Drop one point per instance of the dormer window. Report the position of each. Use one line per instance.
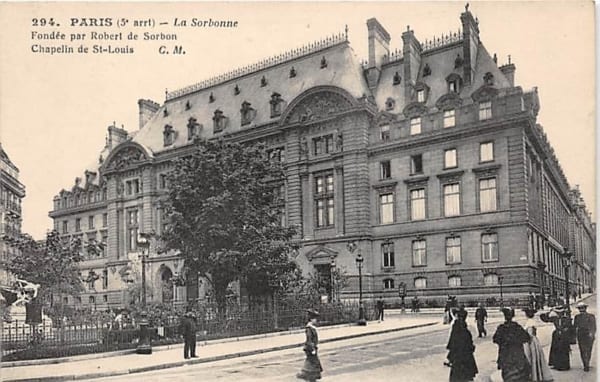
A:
(384, 132)
(276, 104)
(485, 110)
(426, 70)
(247, 113)
(454, 82)
(421, 95)
(397, 79)
(219, 121)
(168, 135)
(390, 104)
(193, 128)
(488, 79)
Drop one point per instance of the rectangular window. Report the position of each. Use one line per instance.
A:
(453, 250)
(162, 181)
(420, 283)
(324, 200)
(104, 220)
(132, 230)
(415, 126)
(105, 279)
(65, 226)
(133, 187)
(387, 251)
(485, 110)
(386, 208)
(451, 199)
(77, 225)
(419, 253)
(90, 222)
(489, 247)
(449, 118)
(421, 95)
(417, 204)
(416, 164)
(104, 298)
(450, 158)
(486, 152)
(323, 145)
(385, 169)
(384, 132)
(454, 281)
(92, 300)
(388, 284)
(487, 195)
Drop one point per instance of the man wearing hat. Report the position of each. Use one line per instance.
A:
(585, 325)
(188, 330)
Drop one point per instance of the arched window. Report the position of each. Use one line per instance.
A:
(490, 279)
(420, 283)
(166, 284)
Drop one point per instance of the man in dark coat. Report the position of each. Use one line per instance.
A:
(380, 306)
(481, 318)
(460, 350)
(510, 338)
(585, 325)
(188, 329)
(560, 347)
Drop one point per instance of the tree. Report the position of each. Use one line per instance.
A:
(224, 218)
(51, 263)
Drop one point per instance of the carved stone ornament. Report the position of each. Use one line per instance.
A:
(320, 254)
(126, 157)
(318, 106)
(448, 101)
(414, 109)
(484, 93)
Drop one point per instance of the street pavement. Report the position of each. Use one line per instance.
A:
(379, 351)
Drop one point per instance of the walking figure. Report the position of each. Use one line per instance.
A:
(481, 319)
(460, 350)
(560, 347)
(510, 338)
(188, 329)
(585, 325)
(311, 370)
(540, 372)
(380, 307)
(415, 304)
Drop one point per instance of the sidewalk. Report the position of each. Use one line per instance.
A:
(171, 356)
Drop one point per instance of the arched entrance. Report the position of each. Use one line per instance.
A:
(166, 285)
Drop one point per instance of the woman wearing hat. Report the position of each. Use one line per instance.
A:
(540, 372)
(460, 350)
(311, 370)
(510, 338)
(560, 347)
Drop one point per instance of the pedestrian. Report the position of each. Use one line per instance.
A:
(530, 301)
(415, 304)
(380, 307)
(560, 347)
(311, 370)
(460, 350)
(540, 372)
(481, 319)
(585, 325)
(510, 338)
(188, 330)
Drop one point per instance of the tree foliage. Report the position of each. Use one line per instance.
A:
(222, 209)
(51, 263)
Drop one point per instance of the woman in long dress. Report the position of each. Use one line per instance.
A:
(460, 351)
(311, 370)
(560, 348)
(510, 338)
(540, 372)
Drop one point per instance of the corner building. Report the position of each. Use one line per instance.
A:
(428, 159)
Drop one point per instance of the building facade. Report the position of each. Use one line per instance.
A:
(12, 192)
(428, 162)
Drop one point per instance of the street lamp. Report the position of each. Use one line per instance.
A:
(361, 310)
(331, 273)
(567, 259)
(144, 346)
(500, 279)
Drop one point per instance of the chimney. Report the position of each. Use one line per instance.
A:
(147, 109)
(379, 50)
(115, 136)
(509, 72)
(470, 28)
(412, 60)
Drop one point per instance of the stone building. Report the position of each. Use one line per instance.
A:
(428, 162)
(12, 192)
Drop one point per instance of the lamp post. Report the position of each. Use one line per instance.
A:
(567, 259)
(361, 310)
(144, 346)
(331, 273)
(500, 279)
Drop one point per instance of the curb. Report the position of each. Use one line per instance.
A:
(210, 359)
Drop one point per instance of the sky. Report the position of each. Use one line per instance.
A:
(55, 109)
